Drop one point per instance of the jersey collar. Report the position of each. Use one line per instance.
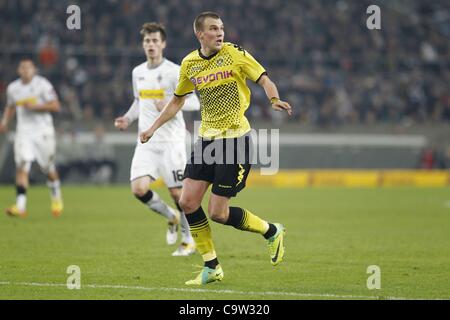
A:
(157, 66)
(207, 57)
(26, 84)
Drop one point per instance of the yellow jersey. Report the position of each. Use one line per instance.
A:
(220, 81)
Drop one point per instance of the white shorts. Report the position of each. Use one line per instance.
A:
(165, 160)
(36, 147)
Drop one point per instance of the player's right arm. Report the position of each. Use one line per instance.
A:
(8, 112)
(169, 111)
(132, 114)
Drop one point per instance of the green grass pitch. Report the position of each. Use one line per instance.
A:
(333, 235)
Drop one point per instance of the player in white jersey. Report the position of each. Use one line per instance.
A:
(32, 98)
(154, 82)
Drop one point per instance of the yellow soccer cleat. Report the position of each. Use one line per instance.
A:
(57, 208)
(14, 212)
(276, 245)
(207, 275)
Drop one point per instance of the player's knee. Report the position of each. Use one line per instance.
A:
(50, 171)
(139, 191)
(217, 215)
(145, 197)
(23, 168)
(188, 205)
(218, 210)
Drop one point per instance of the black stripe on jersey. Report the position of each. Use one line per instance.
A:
(179, 96)
(205, 57)
(262, 74)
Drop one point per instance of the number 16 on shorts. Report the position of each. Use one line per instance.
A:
(177, 175)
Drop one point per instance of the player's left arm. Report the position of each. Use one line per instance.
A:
(255, 72)
(50, 106)
(272, 93)
(50, 98)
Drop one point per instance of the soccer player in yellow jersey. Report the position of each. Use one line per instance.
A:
(218, 71)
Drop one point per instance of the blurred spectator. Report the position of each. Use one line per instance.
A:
(48, 55)
(430, 158)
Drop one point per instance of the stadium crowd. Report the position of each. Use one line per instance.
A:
(327, 63)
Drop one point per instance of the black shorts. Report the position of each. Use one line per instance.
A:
(225, 163)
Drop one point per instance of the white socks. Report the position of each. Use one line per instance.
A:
(185, 231)
(21, 202)
(55, 189)
(159, 206)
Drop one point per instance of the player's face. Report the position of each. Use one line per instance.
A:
(212, 35)
(153, 45)
(26, 70)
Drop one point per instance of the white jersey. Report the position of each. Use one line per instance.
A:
(39, 90)
(151, 85)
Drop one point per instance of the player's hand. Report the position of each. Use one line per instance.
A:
(145, 136)
(282, 106)
(121, 123)
(3, 127)
(160, 104)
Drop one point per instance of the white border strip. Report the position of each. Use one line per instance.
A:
(236, 292)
